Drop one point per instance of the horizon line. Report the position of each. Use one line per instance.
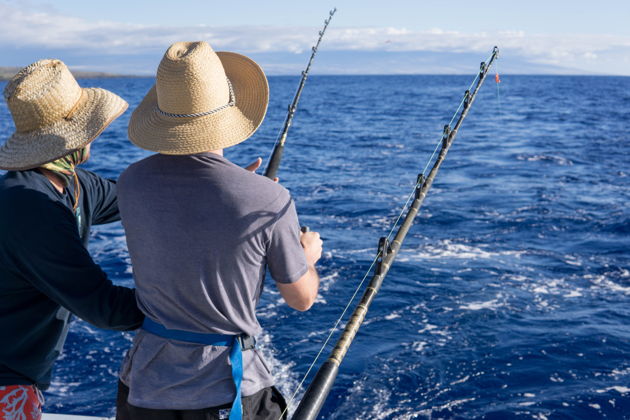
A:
(104, 75)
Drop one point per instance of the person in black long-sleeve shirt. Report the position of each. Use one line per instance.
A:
(47, 206)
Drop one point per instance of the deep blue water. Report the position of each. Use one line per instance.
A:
(511, 296)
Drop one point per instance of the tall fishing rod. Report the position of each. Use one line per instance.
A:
(316, 394)
(276, 156)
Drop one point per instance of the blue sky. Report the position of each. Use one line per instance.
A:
(365, 37)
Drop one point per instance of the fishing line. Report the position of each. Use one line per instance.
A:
(497, 80)
(275, 144)
(438, 143)
(435, 149)
(332, 331)
(274, 158)
(379, 253)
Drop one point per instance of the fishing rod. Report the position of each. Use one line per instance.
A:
(318, 390)
(276, 155)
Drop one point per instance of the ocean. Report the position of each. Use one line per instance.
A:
(510, 298)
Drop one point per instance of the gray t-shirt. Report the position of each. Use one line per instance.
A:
(201, 232)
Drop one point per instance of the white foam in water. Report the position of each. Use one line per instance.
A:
(617, 373)
(620, 389)
(460, 381)
(449, 405)
(346, 252)
(541, 289)
(604, 282)
(380, 408)
(61, 388)
(447, 249)
(286, 379)
(490, 304)
(377, 408)
(419, 346)
(441, 337)
(324, 286)
(572, 260)
(427, 327)
(539, 158)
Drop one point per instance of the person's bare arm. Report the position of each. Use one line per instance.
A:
(301, 294)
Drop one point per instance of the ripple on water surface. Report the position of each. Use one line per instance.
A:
(510, 298)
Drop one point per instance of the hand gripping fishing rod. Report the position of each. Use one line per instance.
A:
(316, 394)
(276, 156)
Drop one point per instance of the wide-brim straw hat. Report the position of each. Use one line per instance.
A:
(202, 100)
(53, 115)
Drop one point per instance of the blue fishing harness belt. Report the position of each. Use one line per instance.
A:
(237, 344)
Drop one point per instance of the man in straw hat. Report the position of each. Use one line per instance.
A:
(47, 206)
(201, 232)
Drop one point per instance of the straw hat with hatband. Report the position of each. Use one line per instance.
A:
(202, 100)
(53, 115)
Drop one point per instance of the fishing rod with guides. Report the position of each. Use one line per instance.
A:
(318, 390)
(276, 155)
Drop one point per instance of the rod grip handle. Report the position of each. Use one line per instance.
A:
(305, 229)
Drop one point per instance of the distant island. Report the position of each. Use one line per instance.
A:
(7, 73)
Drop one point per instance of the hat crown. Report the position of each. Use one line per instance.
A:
(41, 94)
(191, 79)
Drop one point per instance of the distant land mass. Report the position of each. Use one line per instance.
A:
(328, 62)
(6, 73)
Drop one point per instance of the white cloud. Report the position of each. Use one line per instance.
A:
(46, 29)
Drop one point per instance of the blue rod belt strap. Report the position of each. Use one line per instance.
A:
(237, 344)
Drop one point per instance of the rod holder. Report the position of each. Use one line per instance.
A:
(446, 133)
(467, 98)
(383, 250)
(419, 185)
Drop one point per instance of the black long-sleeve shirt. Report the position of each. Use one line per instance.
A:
(46, 272)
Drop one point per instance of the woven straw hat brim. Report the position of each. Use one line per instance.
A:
(32, 149)
(151, 130)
